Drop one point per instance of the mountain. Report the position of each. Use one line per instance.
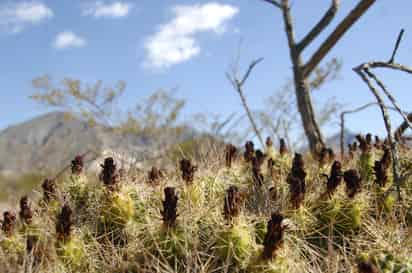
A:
(50, 141)
(334, 140)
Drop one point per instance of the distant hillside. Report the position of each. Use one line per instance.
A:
(50, 141)
(334, 140)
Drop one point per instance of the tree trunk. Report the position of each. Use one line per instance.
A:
(302, 90)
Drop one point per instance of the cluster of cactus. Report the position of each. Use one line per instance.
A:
(211, 214)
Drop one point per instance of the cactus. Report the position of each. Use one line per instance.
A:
(270, 150)
(353, 183)
(235, 240)
(230, 155)
(154, 176)
(334, 179)
(266, 259)
(296, 180)
(78, 184)
(366, 158)
(69, 247)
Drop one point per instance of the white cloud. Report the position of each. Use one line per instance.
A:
(68, 39)
(175, 41)
(99, 9)
(16, 17)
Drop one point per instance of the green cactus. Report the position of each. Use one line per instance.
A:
(235, 242)
(366, 162)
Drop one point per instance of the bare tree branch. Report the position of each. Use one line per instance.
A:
(238, 86)
(319, 27)
(337, 34)
(394, 66)
(274, 2)
(398, 41)
(394, 152)
(249, 70)
(402, 128)
(389, 95)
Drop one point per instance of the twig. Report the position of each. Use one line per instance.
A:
(398, 41)
(337, 34)
(238, 86)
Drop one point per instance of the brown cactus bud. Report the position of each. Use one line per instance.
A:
(169, 212)
(249, 151)
(269, 142)
(365, 144)
(367, 267)
(109, 175)
(49, 190)
(351, 151)
(331, 154)
(353, 182)
(296, 180)
(25, 214)
(31, 243)
(323, 157)
(326, 156)
(334, 179)
(232, 205)
(154, 176)
(257, 162)
(64, 224)
(274, 237)
(283, 149)
(8, 223)
(230, 155)
(378, 143)
(187, 170)
(381, 169)
(77, 165)
(368, 138)
(270, 166)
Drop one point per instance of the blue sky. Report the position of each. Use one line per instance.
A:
(190, 44)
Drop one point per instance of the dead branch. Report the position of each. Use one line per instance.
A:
(302, 71)
(274, 2)
(402, 128)
(363, 72)
(389, 95)
(238, 86)
(337, 34)
(395, 66)
(319, 27)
